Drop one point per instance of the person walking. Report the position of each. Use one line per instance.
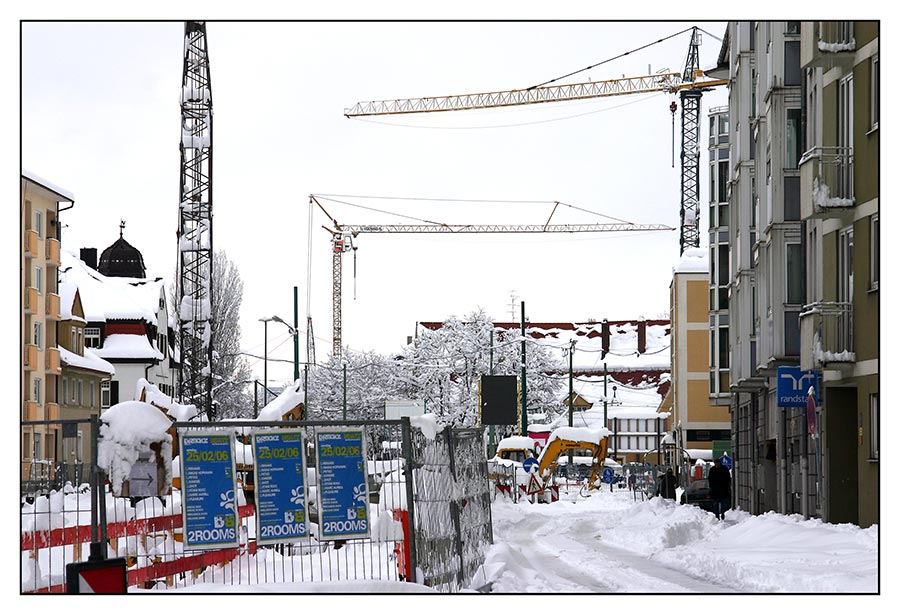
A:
(666, 486)
(719, 488)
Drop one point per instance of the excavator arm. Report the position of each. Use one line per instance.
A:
(561, 443)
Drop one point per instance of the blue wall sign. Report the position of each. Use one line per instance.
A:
(343, 487)
(210, 510)
(793, 386)
(727, 461)
(279, 476)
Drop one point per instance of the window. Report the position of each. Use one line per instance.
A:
(723, 265)
(38, 335)
(39, 279)
(792, 27)
(723, 347)
(793, 74)
(74, 344)
(37, 450)
(793, 139)
(845, 265)
(65, 389)
(92, 337)
(80, 391)
(92, 399)
(873, 426)
(37, 393)
(723, 184)
(104, 395)
(39, 223)
(80, 347)
(874, 93)
(794, 273)
(874, 254)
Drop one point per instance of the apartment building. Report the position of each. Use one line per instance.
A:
(796, 205)
(40, 207)
(698, 423)
(839, 322)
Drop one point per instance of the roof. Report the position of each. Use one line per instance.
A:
(111, 298)
(122, 260)
(588, 357)
(62, 193)
(693, 260)
(89, 361)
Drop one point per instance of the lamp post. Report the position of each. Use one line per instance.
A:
(293, 332)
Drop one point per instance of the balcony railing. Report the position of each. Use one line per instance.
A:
(31, 411)
(31, 300)
(52, 306)
(53, 252)
(826, 332)
(30, 358)
(828, 173)
(836, 37)
(30, 243)
(52, 361)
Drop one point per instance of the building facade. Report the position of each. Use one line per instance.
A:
(697, 422)
(839, 324)
(795, 207)
(40, 309)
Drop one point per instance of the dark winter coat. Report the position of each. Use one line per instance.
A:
(666, 486)
(719, 482)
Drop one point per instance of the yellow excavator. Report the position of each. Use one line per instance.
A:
(583, 441)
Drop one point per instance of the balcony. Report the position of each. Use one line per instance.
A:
(53, 252)
(31, 411)
(52, 303)
(826, 182)
(52, 412)
(30, 244)
(832, 44)
(30, 358)
(51, 362)
(31, 300)
(826, 336)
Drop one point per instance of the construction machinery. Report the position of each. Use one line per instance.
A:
(690, 84)
(343, 236)
(582, 441)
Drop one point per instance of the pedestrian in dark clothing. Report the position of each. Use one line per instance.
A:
(719, 488)
(666, 485)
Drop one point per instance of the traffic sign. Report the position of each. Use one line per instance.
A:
(534, 485)
(727, 461)
(607, 475)
(530, 465)
(97, 577)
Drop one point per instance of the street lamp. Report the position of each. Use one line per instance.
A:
(265, 322)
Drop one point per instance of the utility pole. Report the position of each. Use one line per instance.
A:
(296, 340)
(524, 431)
(345, 391)
(491, 429)
(605, 376)
(571, 392)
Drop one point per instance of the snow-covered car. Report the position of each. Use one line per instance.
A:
(697, 494)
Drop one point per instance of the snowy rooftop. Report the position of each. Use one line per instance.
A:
(107, 298)
(290, 398)
(127, 346)
(693, 260)
(90, 361)
(48, 185)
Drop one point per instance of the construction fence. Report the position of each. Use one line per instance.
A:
(428, 511)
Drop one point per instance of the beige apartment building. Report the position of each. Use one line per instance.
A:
(696, 421)
(40, 205)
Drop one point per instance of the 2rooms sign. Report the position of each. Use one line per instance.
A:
(793, 386)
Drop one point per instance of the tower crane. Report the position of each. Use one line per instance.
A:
(195, 270)
(690, 84)
(342, 236)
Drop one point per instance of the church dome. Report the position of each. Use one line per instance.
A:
(122, 260)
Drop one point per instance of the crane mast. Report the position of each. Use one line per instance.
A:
(195, 270)
(690, 84)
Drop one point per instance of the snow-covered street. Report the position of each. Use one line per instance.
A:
(609, 543)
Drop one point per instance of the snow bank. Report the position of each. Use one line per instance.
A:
(516, 442)
(428, 424)
(127, 429)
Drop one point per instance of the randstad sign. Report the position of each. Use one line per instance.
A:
(793, 386)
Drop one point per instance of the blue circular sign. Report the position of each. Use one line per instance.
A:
(607, 475)
(530, 464)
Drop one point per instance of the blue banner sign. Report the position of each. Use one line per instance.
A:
(793, 386)
(343, 487)
(280, 484)
(208, 490)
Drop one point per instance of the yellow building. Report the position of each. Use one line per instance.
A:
(40, 309)
(696, 423)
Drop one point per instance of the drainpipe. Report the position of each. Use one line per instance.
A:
(804, 470)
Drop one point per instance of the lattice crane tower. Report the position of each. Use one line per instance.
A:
(195, 271)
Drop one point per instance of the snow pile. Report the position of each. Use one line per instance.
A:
(428, 425)
(693, 260)
(516, 443)
(127, 346)
(127, 430)
(579, 434)
(287, 400)
(152, 395)
(821, 196)
(838, 47)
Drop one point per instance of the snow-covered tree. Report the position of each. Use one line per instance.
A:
(371, 378)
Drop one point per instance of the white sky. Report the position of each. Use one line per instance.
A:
(100, 117)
